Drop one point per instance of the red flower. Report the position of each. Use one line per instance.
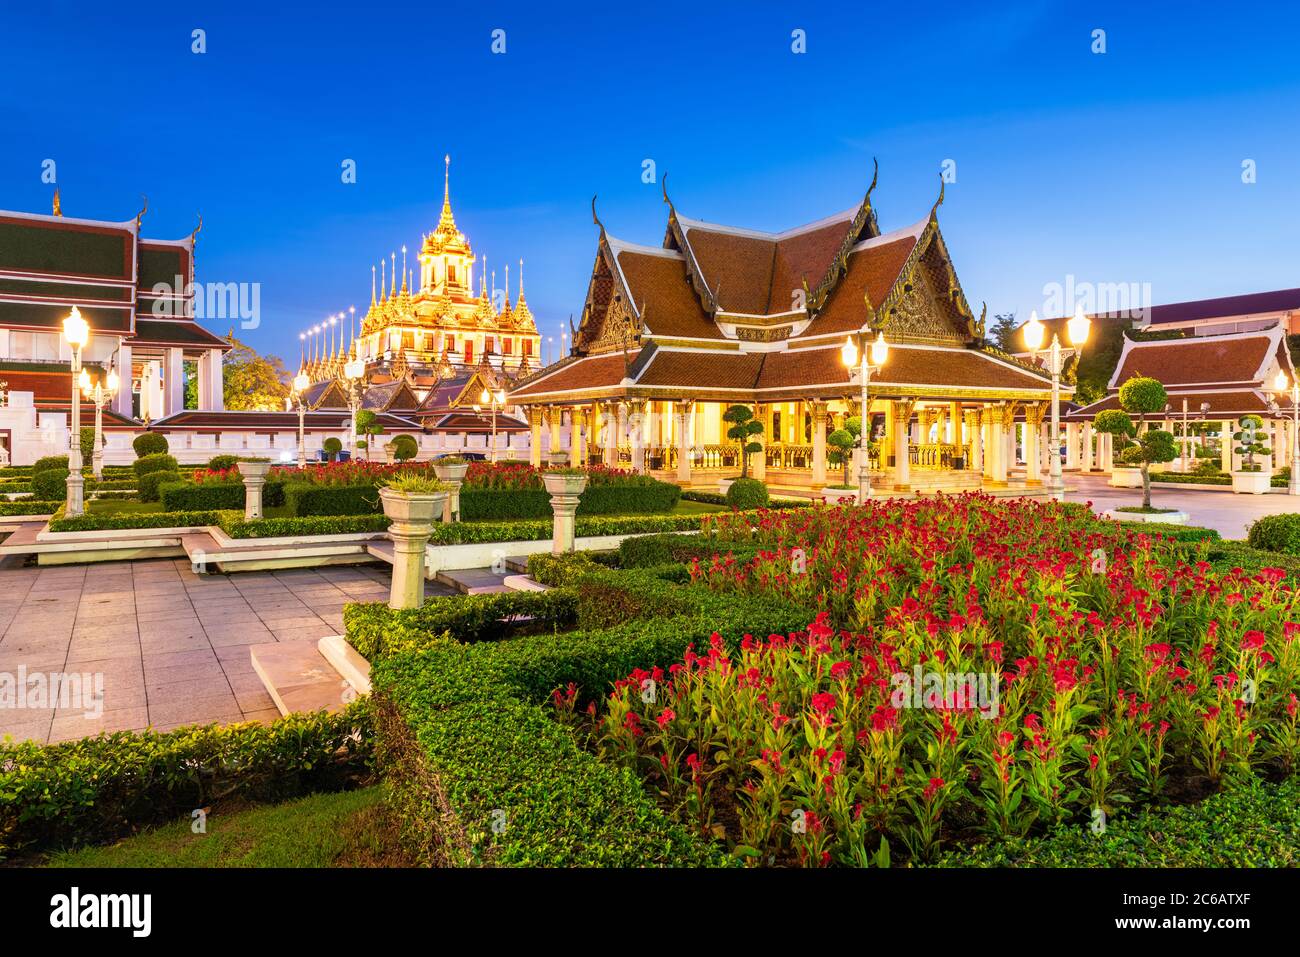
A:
(823, 702)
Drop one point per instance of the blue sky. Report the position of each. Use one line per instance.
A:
(1122, 167)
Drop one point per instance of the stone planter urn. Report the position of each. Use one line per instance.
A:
(564, 489)
(453, 475)
(390, 453)
(832, 496)
(412, 519)
(558, 457)
(254, 475)
(1122, 476)
(1251, 483)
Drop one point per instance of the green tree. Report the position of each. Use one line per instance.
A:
(1250, 441)
(253, 383)
(842, 442)
(1140, 396)
(1003, 331)
(191, 384)
(744, 427)
(367, 425)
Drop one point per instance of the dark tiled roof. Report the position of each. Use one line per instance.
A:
(589, 372)
(659, 286)
(717, 370)
(1197, 360)
(162, 332)
(1239, 402)
(1250, 304)
(469, 422)
(872, 270)
(270, 421)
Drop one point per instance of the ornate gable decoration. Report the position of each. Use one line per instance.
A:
(864, 226)
(926, 302)
(609, 319)
(675, 238)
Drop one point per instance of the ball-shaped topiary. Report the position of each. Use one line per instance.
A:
(747, 493)
(156, 462)
(404, 448)
(148, 485)
(332, 445)
(149, 443)
(50, 463)
(1142, 395)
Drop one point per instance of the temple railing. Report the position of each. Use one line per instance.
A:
(941, 455)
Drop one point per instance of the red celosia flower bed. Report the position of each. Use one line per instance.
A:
(980, 668)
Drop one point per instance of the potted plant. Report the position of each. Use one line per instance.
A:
(1140, 396)
(451, 468)
(412, 498)
(564, 481)
(842, 442)
(1250, 477)
(253, 468)
(743, 428)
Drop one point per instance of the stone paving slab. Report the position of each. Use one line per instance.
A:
(171, 646)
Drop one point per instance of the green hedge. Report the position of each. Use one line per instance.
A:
(647, 551)
(1228, 555)
(1254, 824)
(110, 485)
(469, 726)
(646, 496)
(159, 462)
(151, 484)
(98, 789)
(234, 525)
(1276, 533)
(305, 498)
(95, 523)
(30, 507)
(460, 533)
(716, 498)
(50, 484)
(1178, 533)
(184, 496)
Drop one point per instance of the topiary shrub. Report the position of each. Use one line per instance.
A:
(150, 483)
(332, 447)
(746, 493)
(149, 443)
(54, 462)
(221, 463)
(87, 443)
(50, 485)
(404, 448)
(1274, 533)
(155, 462)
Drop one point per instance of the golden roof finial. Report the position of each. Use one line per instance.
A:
(194, 236)
(393, 288)
(383, 283)
(507, 287)
(144, 208)
(58, 206)
(403, 270)
(446, 223)
(372, 288)
(521, 280)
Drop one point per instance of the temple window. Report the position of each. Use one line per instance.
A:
(506, 347)
(528, 347)
(469, 350)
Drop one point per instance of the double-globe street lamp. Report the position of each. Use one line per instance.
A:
(497, 400)
(1035, 332)
(77, 331)
(354, 370)
(854, 356)
(100, 392)
(1280, 388)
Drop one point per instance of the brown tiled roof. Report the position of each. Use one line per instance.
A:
(910, 366)
(1240, 402)
(757, 274)
(156, 332)
(269, 421)
(658, 284)
(469, 422)
(1198, 360)
(1251, 304)
(717, 370)
(589, 372)
(872, 270)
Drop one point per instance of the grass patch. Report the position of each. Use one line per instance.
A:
(344, 829)
(1145, 509)
(685, 507)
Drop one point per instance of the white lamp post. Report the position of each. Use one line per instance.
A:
(354, 370)
(852, 356)
(77, 332)
(1280, 387)
(301, 383)
(495, 400)
(100, 393)
(1077, 331)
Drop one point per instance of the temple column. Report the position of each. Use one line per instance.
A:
(999, 440)
(1033, 448)
(554, 414)
(759, 459)
(535, 437)
(1225, 443)
(685, 412)
(1071, 445)
(901, 411)
(173, 381)
(123, 401)
(1086, 451)
(623, 435)
(576, 457)
(819, 444)
(635, 422)
(976, 438)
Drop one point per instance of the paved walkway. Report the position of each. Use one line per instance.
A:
(171, 645)
(1228, 514)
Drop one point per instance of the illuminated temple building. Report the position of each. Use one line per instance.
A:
(671, 335)
(441, 322)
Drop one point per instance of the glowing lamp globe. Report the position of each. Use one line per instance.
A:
(84, 381)
(849, 353)
(75, 329)
(1035, 332)
(1280, 382)
(113, 381)
(879, 350)
(1077, 327)
(301, 383)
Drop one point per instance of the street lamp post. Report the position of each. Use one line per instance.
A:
(1280, 387)
(354, 370)
(100, 393)
(77, 332)
(852, 356)
(301, 383)
(1035, 332)
(495, 400)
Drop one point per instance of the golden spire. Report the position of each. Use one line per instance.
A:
(523, 316)
(446, 224)
(58, 206)
(392, 292)
(403, 270)
(372, 288)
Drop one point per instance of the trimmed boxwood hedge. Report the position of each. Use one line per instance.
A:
(98, 789)
(234, 525)
(1276, 533)
(1253, 824)
(463, 733)
(131, 520)
(50, 484)
(628, 497)
(185, 496)
(30, 507)
(305, 498)
(716, 498)
(150, 484)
